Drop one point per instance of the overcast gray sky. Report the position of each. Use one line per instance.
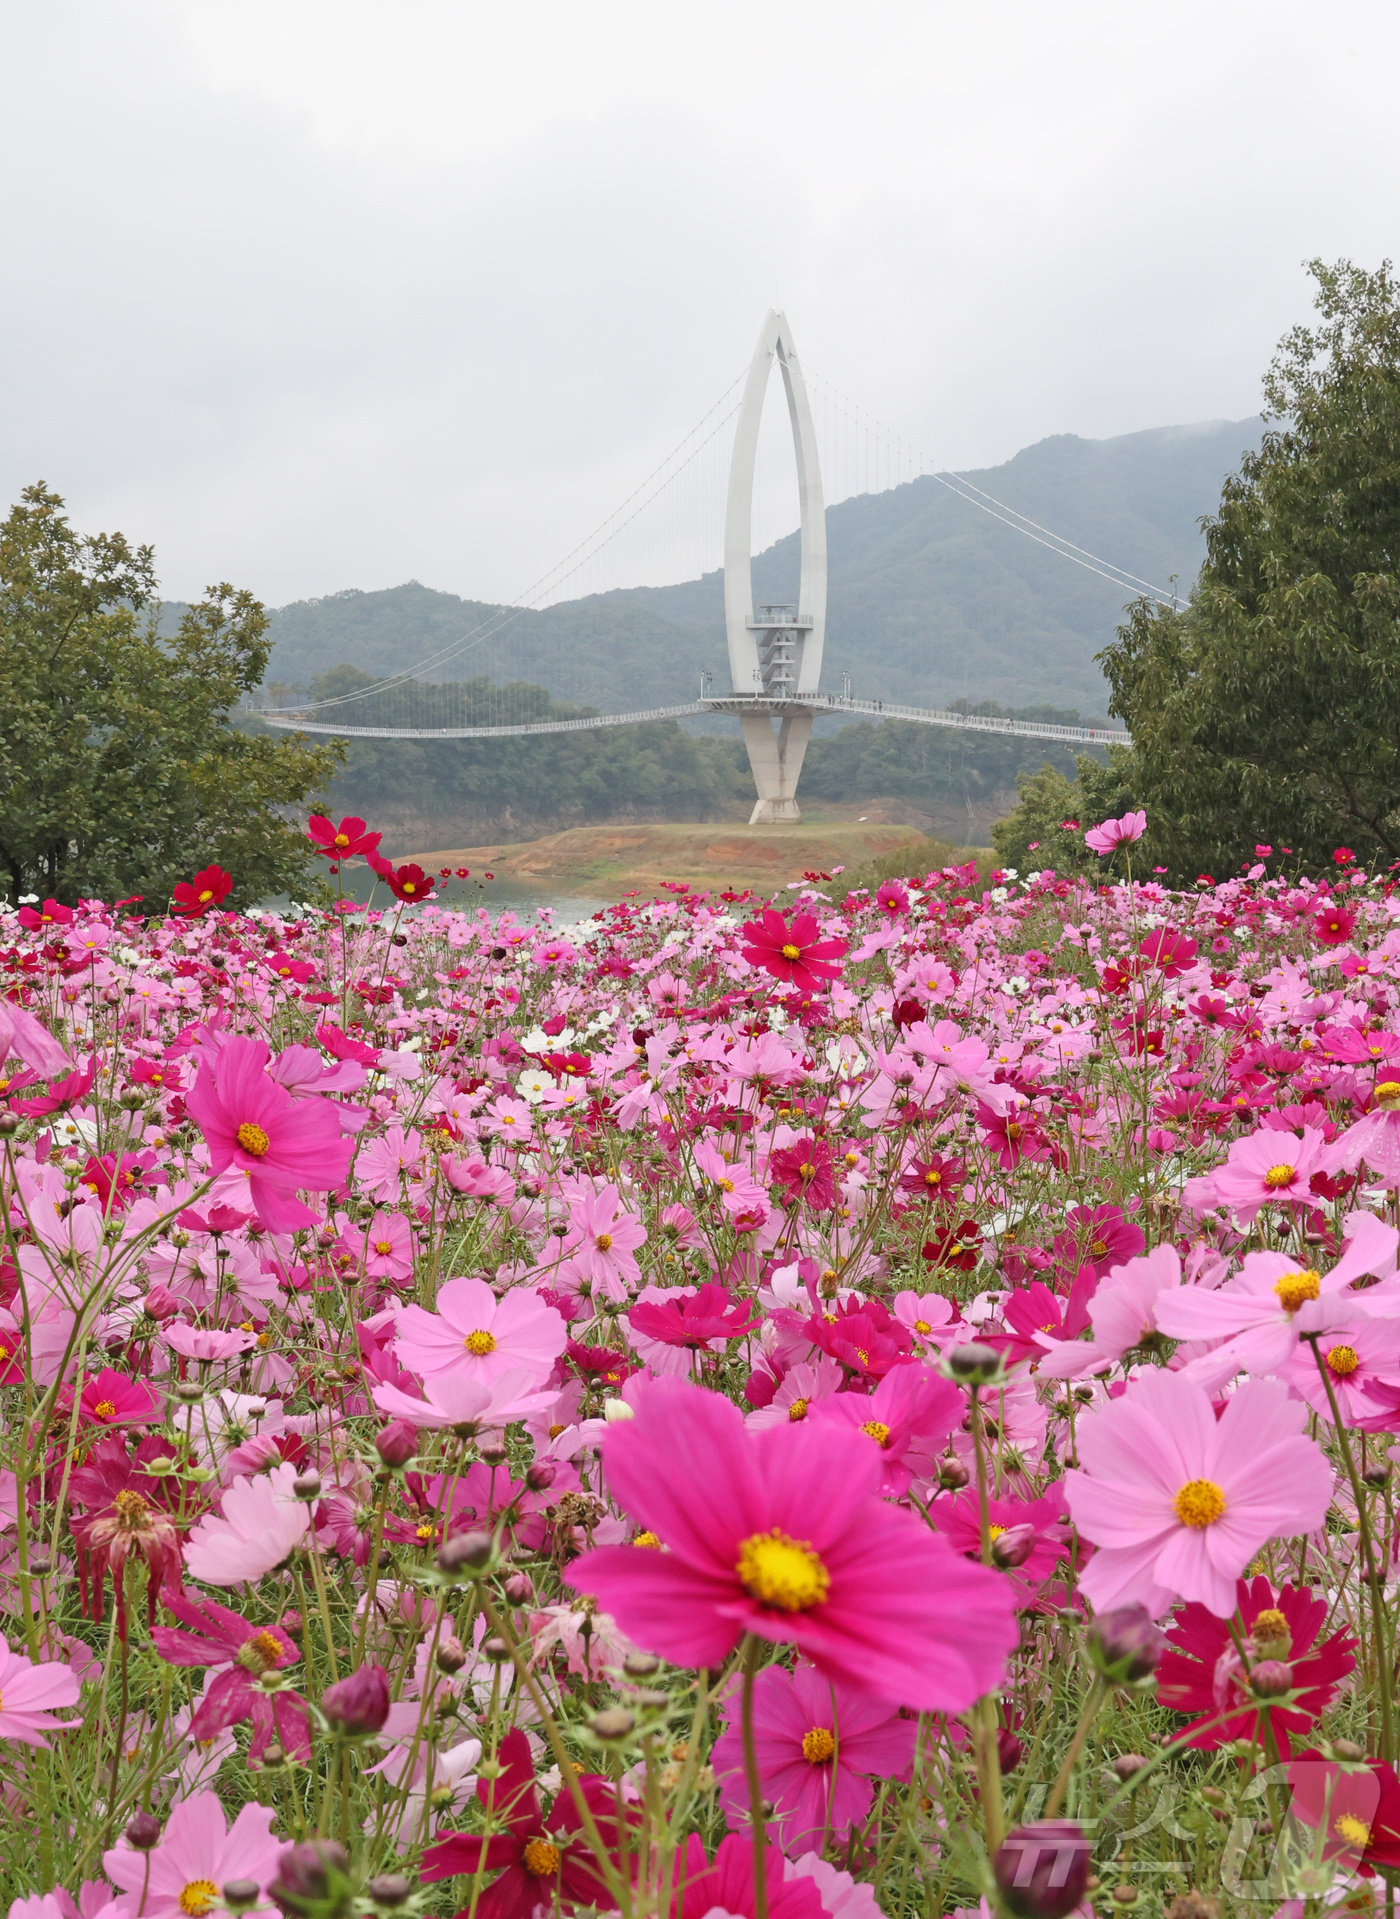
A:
(322, 295)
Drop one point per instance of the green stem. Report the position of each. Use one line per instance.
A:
(1097, 1693)
(752, 1649)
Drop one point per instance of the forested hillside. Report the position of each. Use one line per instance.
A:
(930, 598)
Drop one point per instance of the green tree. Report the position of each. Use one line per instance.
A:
(122, 766)
(1269, 708)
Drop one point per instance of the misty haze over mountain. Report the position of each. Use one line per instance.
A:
(930, 599)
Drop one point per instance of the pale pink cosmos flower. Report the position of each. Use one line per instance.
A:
(510, 1119)
(476, 1180)
(1122, 1314)
(478, 1336)
(1179, 1503)
(1358, 1355)
(456, 1399)
(262, 1522)
(1261, 1313)
(798, 1389)
(1109, 834)
(842, 1895)
(385, 1161)
(182, 1877)
(591, 1640)
(602, 1242)
(389, 1247)
(1374, 1138)
(739, 1192)
(205, 1343)
(29, 1692)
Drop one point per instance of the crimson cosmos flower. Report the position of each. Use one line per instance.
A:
(727, 1886)
(1200, 1672)
(193, 898)
(539, 1856)
(109, 1398)
(803, 1170)
(693, 1321)
(407, 882)
(792, 953)
(341, 842)
(220, 1637)
(125, 1514)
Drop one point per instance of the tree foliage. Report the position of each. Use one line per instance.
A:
(122, 768)
(1269, 709)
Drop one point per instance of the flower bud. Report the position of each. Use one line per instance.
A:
(1010, 1751)
(397, 1442)
(469, 1554)
(358, 1704)
(641, 1665)
(239, 1894)
(617, 1410)
(1014, 1546)
(313, 1881)
(291, 1623)
(1348, 1751)
(1271, 1679)
(307, 1485)
(1125, 1645)
(1128, 1765)
(496, 1650)
(1042, 1872)
(614, 1722)
(519, 1589)
(541, 1476)
(450, 1656)
(144, 1831)
(952, 1474)
(162, 1304)
(493, 1453)
(388, 1889)
(973, 1364)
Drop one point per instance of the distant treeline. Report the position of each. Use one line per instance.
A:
(662, 770)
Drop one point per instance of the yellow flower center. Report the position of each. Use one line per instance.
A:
(198, 1897)
(259, 1654)
(818, 1746)
(1270, 1625)
(922, 1326)
(540, 1858)
(791, 952)
(878, 1431)
(426, 1530)
(383, 1248)
(603, 1242)
(341, 839)
(1099, 1248)
(480, 1343)
(1294, 1288)
(204, 900)
(798, 1409)
(1199, 1503)
(933, 1179)
(408, 888)
(807, 1169)
(781, 1572)
(725, 1185)
(104, 1409)
(255, 1141)
(1354, 1831)
(994, 1531)
(1343, 1360)
(1279, 1176)
(647, 1539)
(131, 1509)
(1388, 1093)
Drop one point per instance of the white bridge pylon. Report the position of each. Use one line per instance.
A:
(775, 655)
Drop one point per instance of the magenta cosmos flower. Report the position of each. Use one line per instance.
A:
(29, 1692)
(782, 1533)
(479, 1336)
(818, 1745)
(247, 1653)
(1178, 1503)
(1110, 834)
(183, 1876)
(252, 1123)
(795, 954)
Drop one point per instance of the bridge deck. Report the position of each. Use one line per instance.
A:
(288, 721)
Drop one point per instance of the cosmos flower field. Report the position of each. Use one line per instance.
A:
(852, 1404)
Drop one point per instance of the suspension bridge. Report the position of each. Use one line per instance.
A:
(774, 649)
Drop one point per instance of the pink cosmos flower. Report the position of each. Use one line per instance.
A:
(1360, 1355)
(602, 1241)
(474, 1178)
(1110, 834)
(795, 1392)
(206, 1343)
(782, 1533)
(480, 1337)
(385, 1161)
(908, 1417)
(389, 1247)
(29, 1692)
(1178, 1503)
(1122, 1313)
(263, 1521)
(1374, 1138)
(183, 1876)
(792, 953)
(818, 1744)
(739, 1191)
(252, 1124)
(960, 1521)
(725, 1889)
(457, 1399)
(1266, 1168)
(109, 1398)
(693, 1319)
(225, 1640)
(23, 1036)
(1261, 1313)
